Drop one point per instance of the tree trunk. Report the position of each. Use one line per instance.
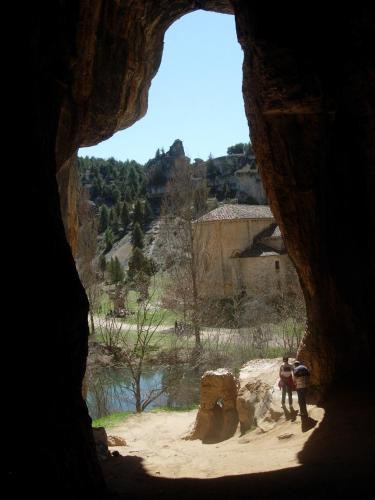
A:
(92, 328)
(195, 319)
(138, 405)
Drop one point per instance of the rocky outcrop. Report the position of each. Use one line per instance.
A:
(235, 176)
(252, 403)
(177, 149)
(257, 379)
(217, 417)
(159, 171)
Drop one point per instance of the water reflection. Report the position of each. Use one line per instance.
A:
(109, 389)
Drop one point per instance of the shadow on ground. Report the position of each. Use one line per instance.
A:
(337, 461)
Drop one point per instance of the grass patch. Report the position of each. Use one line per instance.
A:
(162, 340)
(156, 315)
(167, 409)
(105, 304)
(112, 420)
(118, 418)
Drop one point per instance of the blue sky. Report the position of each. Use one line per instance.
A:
(196, 95)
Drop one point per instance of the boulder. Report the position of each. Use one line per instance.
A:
(252, 403)
(116, 441)
(217, 417)
(101, 442)
(257, 381)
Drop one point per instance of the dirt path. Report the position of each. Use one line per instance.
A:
(158, 439)
(209, 334)
(329, 455)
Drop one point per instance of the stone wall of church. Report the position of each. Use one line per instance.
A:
(217, 242)
(264, 276)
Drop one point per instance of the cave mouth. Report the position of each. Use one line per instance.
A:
(309, 100)
(110, 392)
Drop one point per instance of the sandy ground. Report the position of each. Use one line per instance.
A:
(158, 439)
(330, 457)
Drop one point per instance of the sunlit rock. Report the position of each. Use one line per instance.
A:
(217, 417)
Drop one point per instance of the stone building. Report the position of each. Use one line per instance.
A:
(241, 250)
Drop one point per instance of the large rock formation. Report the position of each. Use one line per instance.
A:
(238, 175)
(256, 382)
(217, 417)
(308, 107)
(308, 89)
(159, 171)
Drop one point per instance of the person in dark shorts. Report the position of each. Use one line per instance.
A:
(301, 375)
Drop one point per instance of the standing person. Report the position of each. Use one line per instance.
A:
(301, 374)
(286, 381)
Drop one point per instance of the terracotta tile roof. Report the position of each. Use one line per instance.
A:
(235, 212)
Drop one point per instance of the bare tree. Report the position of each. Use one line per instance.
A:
(109, 330)
(119, 298)
(184, 201)
(137, 345)
(291, 309)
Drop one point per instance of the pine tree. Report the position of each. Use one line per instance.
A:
(115, 225)
(133, 180)
(125, 217)
(211, 169)
(226, 192)
(138, 214)
(103, 219)
(115, 194)
(118, 207)
(138, 263)
(96, 188)
(108, 240)
(128, 195)
(116, 271)
(137, 236)
(200, 200)
(102, 264)
(148, 214)
(111, 217)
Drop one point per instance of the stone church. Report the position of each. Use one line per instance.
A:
(241, 250)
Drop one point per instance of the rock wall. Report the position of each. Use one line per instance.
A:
(312, 122)
(310, 102)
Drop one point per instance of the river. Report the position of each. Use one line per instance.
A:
(109, 389)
